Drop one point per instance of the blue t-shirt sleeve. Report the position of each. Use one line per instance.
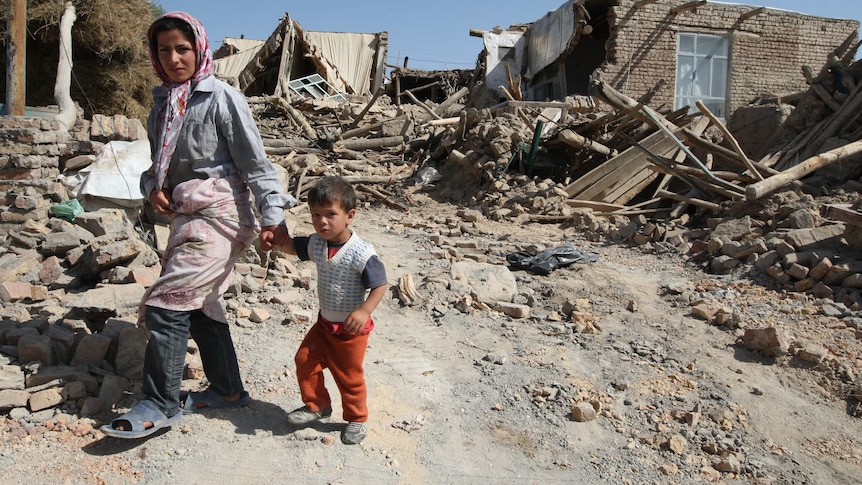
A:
(374, 274)
(300, 244)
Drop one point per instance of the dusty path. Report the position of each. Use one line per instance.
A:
(483, 398)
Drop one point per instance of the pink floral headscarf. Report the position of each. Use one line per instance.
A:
(175, 108)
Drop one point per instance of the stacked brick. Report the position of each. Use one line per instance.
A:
(767, 50)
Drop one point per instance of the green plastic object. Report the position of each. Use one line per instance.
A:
(67, 210)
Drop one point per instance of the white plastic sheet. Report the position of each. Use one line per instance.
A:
(116, 173)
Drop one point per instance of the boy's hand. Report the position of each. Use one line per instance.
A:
(355, 322)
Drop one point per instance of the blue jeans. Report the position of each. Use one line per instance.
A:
(166, 352)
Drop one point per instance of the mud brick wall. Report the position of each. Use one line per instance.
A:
(767, 51)
(33, 152)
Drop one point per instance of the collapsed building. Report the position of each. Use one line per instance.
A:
(603, 123)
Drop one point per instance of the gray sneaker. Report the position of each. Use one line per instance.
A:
(354, 433)
(304, 415)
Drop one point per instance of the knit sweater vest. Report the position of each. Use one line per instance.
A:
(339, 279)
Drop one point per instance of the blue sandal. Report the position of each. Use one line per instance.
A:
(143, 412)
(211, 400)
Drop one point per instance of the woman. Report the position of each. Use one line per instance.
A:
(208, 160)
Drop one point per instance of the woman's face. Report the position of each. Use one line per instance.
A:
(176, 55)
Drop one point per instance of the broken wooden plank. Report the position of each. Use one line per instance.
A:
(381, 197)
(296, 115)
(578, 141)
(451, 100)
(689, 200)
(627, 162)
(365, 110)
(366, 143)
(775, 182)
(819, 90)
(730, 138)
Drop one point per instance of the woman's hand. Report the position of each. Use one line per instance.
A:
(273, 237)
(161, 201)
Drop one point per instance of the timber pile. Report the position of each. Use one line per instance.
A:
(668, 180)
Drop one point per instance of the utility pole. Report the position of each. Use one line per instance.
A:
(16, 55)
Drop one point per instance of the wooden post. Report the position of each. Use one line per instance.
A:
(729, 136)
(578, 141)
(796, 172)
(365, 110)
(16, 55)
(68, 113)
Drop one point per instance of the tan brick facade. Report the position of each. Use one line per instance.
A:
(767, 50)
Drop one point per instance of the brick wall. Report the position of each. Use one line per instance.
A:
(33, 152)
(767, 51)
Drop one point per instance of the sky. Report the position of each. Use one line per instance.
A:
(434, 34)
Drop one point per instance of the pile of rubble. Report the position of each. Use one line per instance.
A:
(676, 183)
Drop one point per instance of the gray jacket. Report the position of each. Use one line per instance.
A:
(219, 138)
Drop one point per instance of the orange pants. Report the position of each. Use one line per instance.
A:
(343, 355)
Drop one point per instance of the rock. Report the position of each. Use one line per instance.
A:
(489, 282)
(583, 411)
(112, 390)
(812, 352)
(45, 399)
(668, 469)
(91, 350)
(769, 341)
(11, 378)
(259, 315)
(12, 398)
(131, 347)
(677, 444)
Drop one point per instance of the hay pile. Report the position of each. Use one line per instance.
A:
(111, 71)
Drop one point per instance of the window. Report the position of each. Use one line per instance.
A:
(506, 54)
(701, 72)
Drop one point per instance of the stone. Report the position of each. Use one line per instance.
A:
(583, 412)
(677, 444)
(770, 341)
(91, 350)
(513, 310)
(74, 390)
(35, 348)
(13, 398)
(11, 377)
(131, 347)
(45, 399)
(109, 299)
(488, 282)
(113, 388)
(91, 406)
(259, 315)
(12, 291)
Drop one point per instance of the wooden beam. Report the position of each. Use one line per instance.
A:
(686, 7)
(16, 57)
(729, 137)
(796, 172)
(819, 89)
(751, 13)
(689, 200)
(643, 3)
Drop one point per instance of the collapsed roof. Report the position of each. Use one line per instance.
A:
(334, 62)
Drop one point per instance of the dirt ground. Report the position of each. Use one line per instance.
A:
(459, 393)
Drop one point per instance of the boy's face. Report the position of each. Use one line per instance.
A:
(331, 220)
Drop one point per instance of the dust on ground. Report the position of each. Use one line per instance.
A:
(459, 393)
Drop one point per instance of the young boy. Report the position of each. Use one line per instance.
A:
(347, 267)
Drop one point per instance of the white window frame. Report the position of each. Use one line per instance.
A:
(702, 71)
